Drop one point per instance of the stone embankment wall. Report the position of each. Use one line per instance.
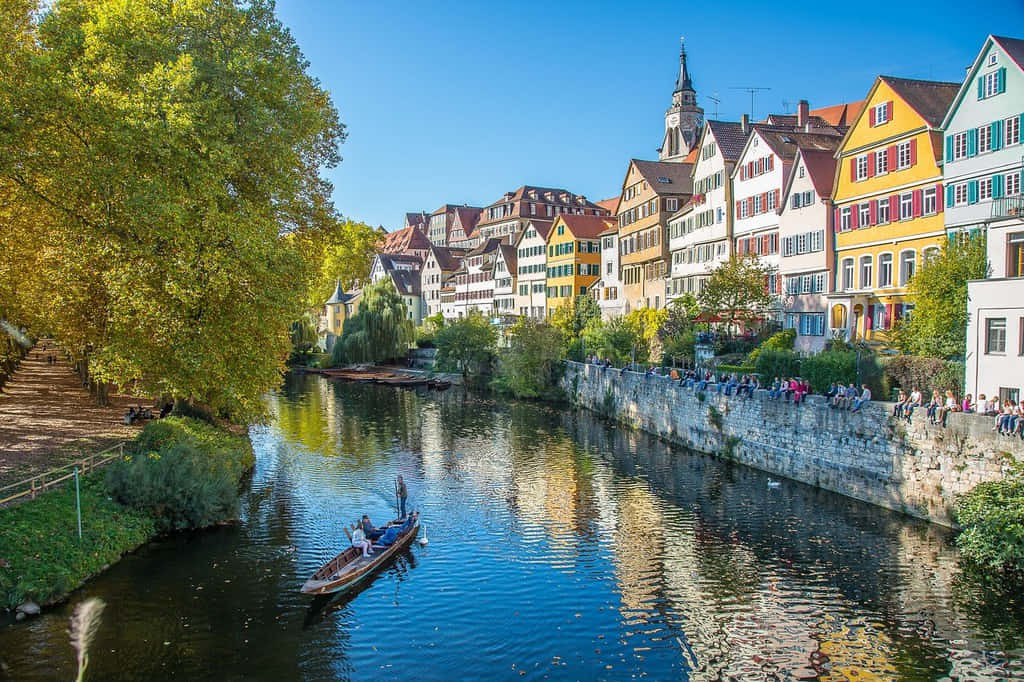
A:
(915, 468)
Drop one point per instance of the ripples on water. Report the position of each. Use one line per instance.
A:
(560, 547)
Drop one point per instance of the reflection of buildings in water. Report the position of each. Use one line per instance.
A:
(639, 549)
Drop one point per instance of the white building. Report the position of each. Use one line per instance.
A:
(700, 232)
(607, 291)
(474, 281)
(404, 271)
(531, 270)
(441, 263)
(505, 282)
(982, 173)
(807, 244)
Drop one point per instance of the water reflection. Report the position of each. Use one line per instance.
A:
(560, 546)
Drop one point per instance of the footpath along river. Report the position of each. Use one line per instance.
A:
(560, 547)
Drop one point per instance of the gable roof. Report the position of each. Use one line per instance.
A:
(446, 258)
(1013, 47)
(407, 282)
(508, 254)
(678, 175)
(586, 226)
(730, 138)
(930, 99)
(486, 247)
(785, 142)
(610, 204)
(406, 239)
(821, 167)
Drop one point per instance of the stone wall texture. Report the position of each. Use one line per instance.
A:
(915, 468)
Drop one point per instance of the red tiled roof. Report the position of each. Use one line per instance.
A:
(586, 226)
(691, 157)
(610, 204)
(839, 114)
(406, 239)
(821, 166)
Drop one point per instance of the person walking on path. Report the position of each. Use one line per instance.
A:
(403, 494)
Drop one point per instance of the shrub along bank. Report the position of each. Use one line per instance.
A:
(179, 474)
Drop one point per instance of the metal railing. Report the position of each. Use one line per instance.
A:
(30, 488)
(1008, 207)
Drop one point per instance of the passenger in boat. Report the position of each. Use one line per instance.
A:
(369, 530)
(392, 533)
(359, 540)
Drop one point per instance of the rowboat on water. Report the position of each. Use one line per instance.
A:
(350, 566)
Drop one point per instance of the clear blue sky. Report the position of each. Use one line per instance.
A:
(460, 102)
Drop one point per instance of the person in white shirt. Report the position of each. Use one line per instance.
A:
(865, 396)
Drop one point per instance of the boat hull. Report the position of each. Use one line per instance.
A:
(348, 579)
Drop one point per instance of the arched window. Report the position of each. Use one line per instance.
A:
(908, 265)
(847, 275)
(866, 272)
(884, 270)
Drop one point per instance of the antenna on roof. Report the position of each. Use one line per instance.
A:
(786, 106)
(753, 90)
(714, 98)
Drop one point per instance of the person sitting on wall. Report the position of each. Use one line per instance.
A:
(933, 405)
(951, 405)
(799, 390)
(913, 402)
(901, 401)
(968, 405)
(831, 393)
(863, 400)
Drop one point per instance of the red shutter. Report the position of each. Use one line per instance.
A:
(913, 152)
(750, 205)
(873, 208)
(869, 320)
(737, 208)
(853, 217)
(750, 169)
(777, 204)
(897, 311)
(778, 283)
(940, 198)
(743, 170)
(894, 208)
(853, 170)
(871, 117)
(888, 110)
(835, 220)
(871, 163)
(888, 315)
(764, 202)
(916, 203)
(771, 163)
(891, 152)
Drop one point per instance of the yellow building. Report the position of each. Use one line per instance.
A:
(338, 308)
(888, 202)
(574, 256)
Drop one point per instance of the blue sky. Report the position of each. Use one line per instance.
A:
(460, 102)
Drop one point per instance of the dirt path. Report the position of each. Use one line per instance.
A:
(48, 419)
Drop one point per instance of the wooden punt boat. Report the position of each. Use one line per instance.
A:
(350, 566)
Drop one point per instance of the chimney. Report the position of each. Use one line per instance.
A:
(802, 113)
(745, 123)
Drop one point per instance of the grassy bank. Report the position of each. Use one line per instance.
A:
(178, 474)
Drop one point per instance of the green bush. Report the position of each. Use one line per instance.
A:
(184, 473)
(783, 340)
(992, 517)
(738, 369)
(777, 363)
(829, 366)
(926, 374)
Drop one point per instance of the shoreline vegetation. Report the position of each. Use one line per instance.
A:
(178, 474)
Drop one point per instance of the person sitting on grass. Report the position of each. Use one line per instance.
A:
(863, 400)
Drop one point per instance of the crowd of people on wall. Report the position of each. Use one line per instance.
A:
(1008, 416)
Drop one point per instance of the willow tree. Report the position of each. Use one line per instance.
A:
(168, 147)
(380, 329)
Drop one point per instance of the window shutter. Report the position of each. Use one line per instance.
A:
(766, 243)
(743, 171)
(870, 319)
(913, 152)
(737, 208)
(894, 208)
(997, 135)
(873, 207)
(981, 87)
(1001, 80)
(871, 117)
(853, 216)
(949, 148)
(972, 192)
(888, 110)
(972, 142)
(949, 195)
(916, 203)
(853, 170)
(836, 223)
(871, 163)
(891, 152)
(997, 186)
(771, 163)
(938, 198)
(776, 199)
(888, 316)
(764, 202)
(897, 311)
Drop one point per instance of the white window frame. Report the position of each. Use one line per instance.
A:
(844, 219)
(881, 111)
(1011, 184)
(929, 201)
(907, 206)
(1011, 131)
(862, 168)
(881, 163)
(847, 273)
(771, 201)
(885, 258)
(864, 215)
(960, 194)
(984, 189)
(960, 146)
(903, 155)
(985, 139)
(883, 211)
(905, 277)
(867, 266)
(991, 88)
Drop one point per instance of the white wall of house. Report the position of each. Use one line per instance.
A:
(608, 290)
(702, 240)
(504, 286)
(995, 348)
(804, 243)
(531, 266)
(756, 222)
(430, 285)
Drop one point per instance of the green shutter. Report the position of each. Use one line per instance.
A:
(949, 195)
(972, 192)
(997, 135)
(972, 142)
(981, 87)
(949, 148)
(1001, 80)
(997, 186)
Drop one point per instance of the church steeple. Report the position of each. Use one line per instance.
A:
(684, 119)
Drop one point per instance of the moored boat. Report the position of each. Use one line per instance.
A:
(350, 566)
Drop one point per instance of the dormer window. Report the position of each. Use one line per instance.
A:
(992, 59)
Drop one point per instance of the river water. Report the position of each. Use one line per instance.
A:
(560, 547)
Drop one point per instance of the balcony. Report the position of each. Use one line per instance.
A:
(1008, 207)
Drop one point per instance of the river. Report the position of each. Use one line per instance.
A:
(560, 547)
